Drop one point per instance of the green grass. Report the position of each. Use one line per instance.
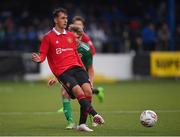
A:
(30, 109)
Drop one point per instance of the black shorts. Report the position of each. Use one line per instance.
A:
(72, 77)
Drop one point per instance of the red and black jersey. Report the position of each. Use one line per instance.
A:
(60, 50)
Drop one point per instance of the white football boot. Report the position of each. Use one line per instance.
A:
(83, 127)
(98, 119)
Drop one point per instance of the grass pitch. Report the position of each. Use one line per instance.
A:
(31, 109)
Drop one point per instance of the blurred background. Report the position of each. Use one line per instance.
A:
(125, 31)
(137, 62)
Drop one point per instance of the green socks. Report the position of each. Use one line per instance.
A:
(68, 110)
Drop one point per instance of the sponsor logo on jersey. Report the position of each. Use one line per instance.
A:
(60, 50)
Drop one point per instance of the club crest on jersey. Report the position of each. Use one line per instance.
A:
(69, 40)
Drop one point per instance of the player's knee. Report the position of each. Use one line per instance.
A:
(88, 92)
(87, 89)
(77, 91)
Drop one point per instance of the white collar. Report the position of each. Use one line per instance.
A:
(58, 33)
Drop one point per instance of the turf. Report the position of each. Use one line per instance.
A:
(31, 109)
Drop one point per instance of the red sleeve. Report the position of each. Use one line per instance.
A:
(87, 39)
(44, 47)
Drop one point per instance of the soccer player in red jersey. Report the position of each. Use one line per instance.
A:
(60, 48)
(87, 59)
(79, 21)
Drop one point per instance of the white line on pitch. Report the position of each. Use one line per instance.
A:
(105, 112)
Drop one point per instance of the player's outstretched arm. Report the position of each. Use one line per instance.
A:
(36, 57)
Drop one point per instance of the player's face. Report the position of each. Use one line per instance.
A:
(61, 20)
(79, 24)
(78, 37)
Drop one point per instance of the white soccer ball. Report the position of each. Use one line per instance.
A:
(148, 118)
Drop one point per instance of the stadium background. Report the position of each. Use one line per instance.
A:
(136, 41)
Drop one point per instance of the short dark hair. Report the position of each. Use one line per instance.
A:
(58, 10)
(78, 18)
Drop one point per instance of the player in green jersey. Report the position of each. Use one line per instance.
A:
(87, 59)
(80, 22)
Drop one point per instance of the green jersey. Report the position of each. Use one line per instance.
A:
(85, 54)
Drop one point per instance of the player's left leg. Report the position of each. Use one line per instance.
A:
(82, 78)
(88, 92)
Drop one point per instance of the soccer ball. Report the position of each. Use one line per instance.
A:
(148, 118)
